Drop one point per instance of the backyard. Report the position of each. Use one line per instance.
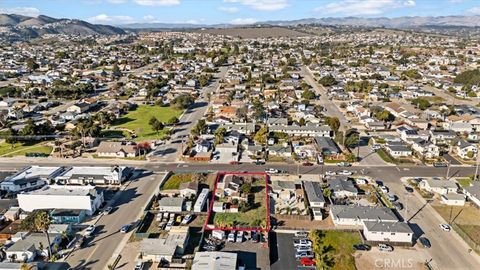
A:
(138, 121)
(252, 213)
(20, 149)
(334, 249)
(174, 181)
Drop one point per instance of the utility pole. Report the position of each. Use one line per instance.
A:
(475, 176)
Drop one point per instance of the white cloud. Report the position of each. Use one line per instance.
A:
(229, 9)
(155, 3)
(149, 17)
(473, 11)
(26, 11)
(363, 7)
(107, 19)
(243, 21)
(264, 5)
(116, 1)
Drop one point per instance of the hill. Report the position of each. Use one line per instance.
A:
(255, 32)
(20, 27)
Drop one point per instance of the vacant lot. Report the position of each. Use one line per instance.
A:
(256, 32)
(336, 247)
(465, 217)
(174, 181)
(137, 120)
(20, 149)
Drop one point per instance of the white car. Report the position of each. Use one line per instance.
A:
(138, 265)
(239, 237)
(271, 170)
(89, 230)
(304, 249)
(231, 237)
(302, 243)
(384, 189)
(445, 227)
(187, 219)
(385, 248)
(301, 234)
(331, 173)
(345, 172)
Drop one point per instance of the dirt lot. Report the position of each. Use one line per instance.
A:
(465, 217)
(399, 259)
(261, 32)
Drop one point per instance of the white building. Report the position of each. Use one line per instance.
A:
(441, 187)
(114, 175)
(355, 215)
(85, 198)
(387, 232)
(30, 178)
(201, 200)
(214, 260)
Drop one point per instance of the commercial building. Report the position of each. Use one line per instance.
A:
(355, 215)
(214, 260)
(81, 175)
(86, 198)
(30, 178)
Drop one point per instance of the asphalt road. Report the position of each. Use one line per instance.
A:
(448, 251)
(169, 152)
(332, 109)
(107, 239)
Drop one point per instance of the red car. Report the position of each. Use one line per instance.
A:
(234, 163)
(307, 164)
(307, 262)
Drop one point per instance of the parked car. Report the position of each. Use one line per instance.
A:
(345, 172)
(234, 162)
(398, 206)
(304, 254)
(239, 237)
(80, 242)
(169, 225)
(107, 210)
(445, 227)
(255, 237)
(139, 265)
(344, 164)
(231, 237)
(125, 228)
(271, 170)
(307, 164)
(89, 230)
(187, 219)
(409, 189)
(385, 248)
(392, 197)
(303, 249)
(379, 182)
(440, 164)
(307, 261)
(384, 189)
(302, 243)
(425, 242)
(332, 173)
(301, 234)
(363, 247)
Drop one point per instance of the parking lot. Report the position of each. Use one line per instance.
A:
(252, 255)
(282, 252)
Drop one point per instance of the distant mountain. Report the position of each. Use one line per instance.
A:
(21, 27)
(398, 23)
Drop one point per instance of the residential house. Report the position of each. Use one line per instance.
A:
(441, 187)
(387, 232)
(315, 198)
(117, 149)
(342, 187)
(473, 193)
(355, 215)
(466, 150)
(171, 204)
(188, 189)
(164, 249)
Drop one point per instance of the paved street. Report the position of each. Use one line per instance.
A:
(332, 108)
(169, 152)
(107, 239)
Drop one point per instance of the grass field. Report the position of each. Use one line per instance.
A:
(251, 218)
(338, 246)
(20, 149)
(464, 217)
(464, 182)
(137, 120)
(174, 181)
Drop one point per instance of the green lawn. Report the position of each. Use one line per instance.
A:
(20, 149)
(339, 247)
(252, 218)
(137, 120)
(174, 181)
(464, 182)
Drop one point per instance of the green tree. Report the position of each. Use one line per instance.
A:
(308, 95)
(261, 136)
(157, 126)
(31, 64)
(200, 128)
(116, 71)
(38, 221)
(219, 135)
(352, 138)
(333, 123)
(328, 80)
(173, 120)
(421, 103)
(384, 116)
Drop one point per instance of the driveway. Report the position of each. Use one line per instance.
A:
(451, 159)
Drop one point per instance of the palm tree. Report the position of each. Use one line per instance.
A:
(41, 223)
